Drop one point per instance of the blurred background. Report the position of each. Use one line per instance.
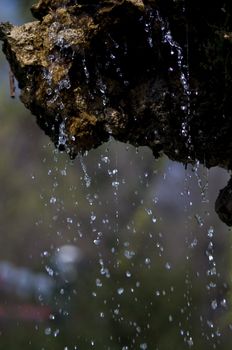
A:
(115, 250)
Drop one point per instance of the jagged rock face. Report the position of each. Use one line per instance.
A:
(223, 204)
(147, 72)
(155, 73)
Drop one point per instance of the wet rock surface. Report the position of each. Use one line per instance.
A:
(151, 73)
(223, 205)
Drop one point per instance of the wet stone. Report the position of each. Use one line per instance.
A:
(151, 73)
(223, 204)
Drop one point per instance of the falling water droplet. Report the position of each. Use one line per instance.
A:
(214, 304)
(47, 331)
(120, 291)
(210, 232)
(56, 333)
(53, 200)
(190, 342)
(49, 270)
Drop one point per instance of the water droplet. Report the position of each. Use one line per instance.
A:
(49, 270)
(210, 257)
(98, 282)
(63, 172)
(115, 184)
(56, 333)
(224, 303)
(190, 342)
(129, 254)
(149, 211)
(214, 304)
(105, 160)
(210, 324)
(62, 140)
(210, 232)
(97, 241)
(194, 243)
(53, 200)
(64, 84)
(93, 217)
(199, 220)
(69, 220)
(86, 71)
(120, 291)
(47, 331)
(49, 91)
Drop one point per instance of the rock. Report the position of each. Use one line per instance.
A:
(223, 204)
(151, 73)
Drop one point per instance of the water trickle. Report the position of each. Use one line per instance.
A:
(86, 70)
(102, 89)
(113, 50)
(64, 84)
(87, 178)
(148, 27)
(182, 62)
(190, 342)
(175, 48)
(62, 140)
(49, 271)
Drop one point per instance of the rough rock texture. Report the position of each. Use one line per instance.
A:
(223, 204)
(155, 73)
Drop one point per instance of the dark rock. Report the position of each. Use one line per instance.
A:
(223, 204)
(151, 73)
